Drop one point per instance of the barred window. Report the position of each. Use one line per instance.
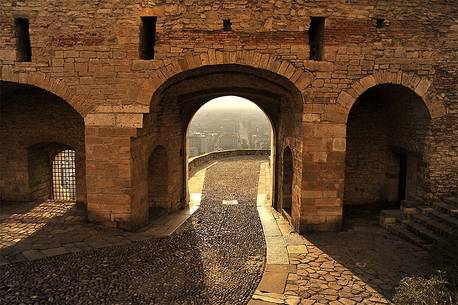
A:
(63, 175)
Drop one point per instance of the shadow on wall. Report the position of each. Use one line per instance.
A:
(158, 198)
(287, 185)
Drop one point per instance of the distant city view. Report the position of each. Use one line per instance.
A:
(227, 123)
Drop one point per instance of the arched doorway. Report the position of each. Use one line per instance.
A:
(287, 179)
(387, 140)
(35, 126)
(228, 127)
(158, 181)
(180, 97)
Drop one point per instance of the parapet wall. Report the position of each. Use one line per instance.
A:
(197, 162)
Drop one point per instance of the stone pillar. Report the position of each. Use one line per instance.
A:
(108, 175)
(322, 176)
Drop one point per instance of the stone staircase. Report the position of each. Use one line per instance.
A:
(431, 226)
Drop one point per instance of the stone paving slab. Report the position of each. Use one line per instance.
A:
(332, 268)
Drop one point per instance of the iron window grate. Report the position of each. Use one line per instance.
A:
(63, 175)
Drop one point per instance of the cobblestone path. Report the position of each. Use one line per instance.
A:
(216, 257)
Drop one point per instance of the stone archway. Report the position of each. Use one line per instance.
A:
(170, 68)
(52, 85)
(176, 100)
(419, 85)
(34, 124)
(388, 131)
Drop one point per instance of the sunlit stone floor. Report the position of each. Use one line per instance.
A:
(216, 256)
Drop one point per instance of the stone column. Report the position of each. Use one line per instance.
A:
(109, 170)
(322, 176)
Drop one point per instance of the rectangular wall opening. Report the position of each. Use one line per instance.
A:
(147, 37)
(64, 176)
(316, 38)
(227, 25)
(23, 49)
(402, 177)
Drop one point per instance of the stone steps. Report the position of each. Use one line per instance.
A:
(432, 227)
(422, 231)
(399, 230)
(451, 201)
(442, 217)
(432, 224)
(446, 208)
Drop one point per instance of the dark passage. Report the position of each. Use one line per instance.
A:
(216, 257)
(402, 177)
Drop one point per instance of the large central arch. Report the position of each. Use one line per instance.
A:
(176, 101)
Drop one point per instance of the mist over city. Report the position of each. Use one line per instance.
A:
(228, 123)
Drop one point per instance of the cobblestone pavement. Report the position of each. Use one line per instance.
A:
(363, 264)
(216, 257)
(30, 231)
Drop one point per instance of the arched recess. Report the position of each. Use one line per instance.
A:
(287, 180)
(158, 180)
(34, 124)
(51, 172)
(388, 134)
(53, 86)
(419, 85)
(176, 101)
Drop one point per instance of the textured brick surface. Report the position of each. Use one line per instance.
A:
(87, 54)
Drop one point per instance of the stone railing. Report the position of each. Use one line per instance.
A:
(196, 162)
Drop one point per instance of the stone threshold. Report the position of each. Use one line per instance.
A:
(271, 289)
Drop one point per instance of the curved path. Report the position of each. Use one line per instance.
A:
(216, 257)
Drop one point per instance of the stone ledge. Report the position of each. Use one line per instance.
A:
(196, 162)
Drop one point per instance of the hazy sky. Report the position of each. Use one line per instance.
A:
(229, 102)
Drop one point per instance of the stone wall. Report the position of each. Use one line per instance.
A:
(88, 55)
(35, 125)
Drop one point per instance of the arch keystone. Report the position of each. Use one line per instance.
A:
(219, 58)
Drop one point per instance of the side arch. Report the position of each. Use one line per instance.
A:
(420, 85)
(54, 86)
